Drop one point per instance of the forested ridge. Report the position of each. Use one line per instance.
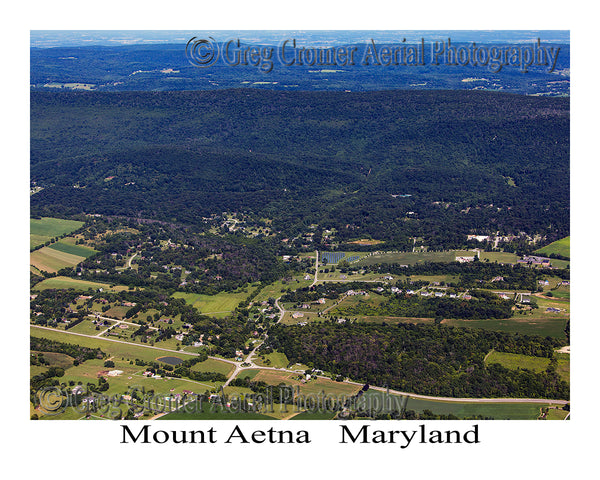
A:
(470, 161)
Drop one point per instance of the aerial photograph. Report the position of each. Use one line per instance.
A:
(340, 225)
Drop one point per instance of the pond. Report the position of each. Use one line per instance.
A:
(170, 360)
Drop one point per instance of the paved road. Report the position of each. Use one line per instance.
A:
(132, 257)
(239, 368)
(316, 267)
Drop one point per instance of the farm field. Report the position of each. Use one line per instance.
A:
(67, 245)
(83, 285)
(560, 247)
(43, 229)
(52, 260)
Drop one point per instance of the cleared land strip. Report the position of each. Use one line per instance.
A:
(381, 389)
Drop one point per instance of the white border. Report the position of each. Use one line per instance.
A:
(515, 449)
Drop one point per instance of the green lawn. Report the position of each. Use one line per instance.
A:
(560, 247)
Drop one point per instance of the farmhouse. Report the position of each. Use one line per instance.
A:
(479, 238)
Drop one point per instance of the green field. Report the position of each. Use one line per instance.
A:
(560, 247)
(56, 360)
(83, 285)
(499, 257)
(497, 411)
(536, 364)
(46, 228)
(213, 365)
(66, 246)
(549, 326)
(274, 359)
(220, 304)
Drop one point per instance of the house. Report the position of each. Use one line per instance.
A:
(498, 279)
(553, 310)
(321, 301)
(394, 290)
(479, 238)
(465, 259)
(297, 315)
